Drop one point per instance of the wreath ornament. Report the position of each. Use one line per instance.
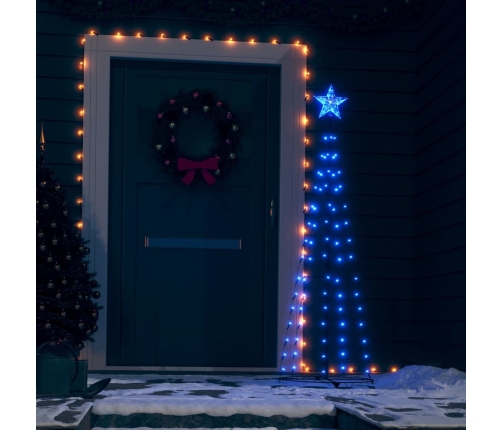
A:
(217, 158)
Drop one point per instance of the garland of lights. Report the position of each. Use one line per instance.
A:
(383, 16)
(216, 161)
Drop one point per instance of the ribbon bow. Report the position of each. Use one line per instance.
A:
(204, 166)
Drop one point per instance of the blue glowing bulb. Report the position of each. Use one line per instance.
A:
(342, 340)
(360, 324)
(356, 294)
(322, 323)
(340, 309)
(324, 293)
(364, 340)
(350, 256)
(337, 280)
(359, 308)
(339, 259)
(337, 243)
(343, 367)
(345, 206)
(342, 324)
(324, 341)
(343, 353)
(366, 356)
(339, 296)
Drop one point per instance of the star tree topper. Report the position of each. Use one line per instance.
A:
(330, 103)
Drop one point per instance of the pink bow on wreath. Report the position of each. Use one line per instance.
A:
(204, 166)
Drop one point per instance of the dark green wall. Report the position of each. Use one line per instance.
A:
(390, 142)
(439, 261)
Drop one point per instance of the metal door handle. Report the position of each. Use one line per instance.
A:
(272, 213)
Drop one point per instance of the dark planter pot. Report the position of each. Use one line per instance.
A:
(56, 371)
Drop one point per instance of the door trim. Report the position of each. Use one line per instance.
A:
(99, 51)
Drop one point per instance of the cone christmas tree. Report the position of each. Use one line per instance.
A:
(65, 288)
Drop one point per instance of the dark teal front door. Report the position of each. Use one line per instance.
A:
(192, 269)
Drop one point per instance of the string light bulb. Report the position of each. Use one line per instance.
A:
(81, 87)
(80, 132)
(80, 225)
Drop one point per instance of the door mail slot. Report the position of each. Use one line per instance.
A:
(180, 243)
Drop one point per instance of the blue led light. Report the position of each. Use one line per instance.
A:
(342, 324)
(324, 341)
(342, 340)
(337, 280)
(322, 323)
(343, 353)
(340, 309)
(364, 340)
(359, 308)
(360, 324)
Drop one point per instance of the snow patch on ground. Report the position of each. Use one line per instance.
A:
(421, 378)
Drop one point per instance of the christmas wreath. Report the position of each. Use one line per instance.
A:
(216, 160)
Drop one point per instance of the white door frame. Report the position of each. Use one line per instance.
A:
(99, 50)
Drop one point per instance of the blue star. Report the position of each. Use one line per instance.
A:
(330, 103)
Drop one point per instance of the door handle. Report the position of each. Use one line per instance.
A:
(272, 213)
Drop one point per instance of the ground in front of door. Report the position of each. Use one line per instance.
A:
(413, 397)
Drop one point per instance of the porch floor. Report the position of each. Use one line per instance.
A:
(413, 397)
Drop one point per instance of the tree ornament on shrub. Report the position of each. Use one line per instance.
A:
(216, 160)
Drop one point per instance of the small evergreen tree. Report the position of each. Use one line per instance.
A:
(65, 288)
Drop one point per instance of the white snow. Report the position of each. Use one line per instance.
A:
(413, 396)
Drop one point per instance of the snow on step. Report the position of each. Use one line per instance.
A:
(291, 408)
(203, 428)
